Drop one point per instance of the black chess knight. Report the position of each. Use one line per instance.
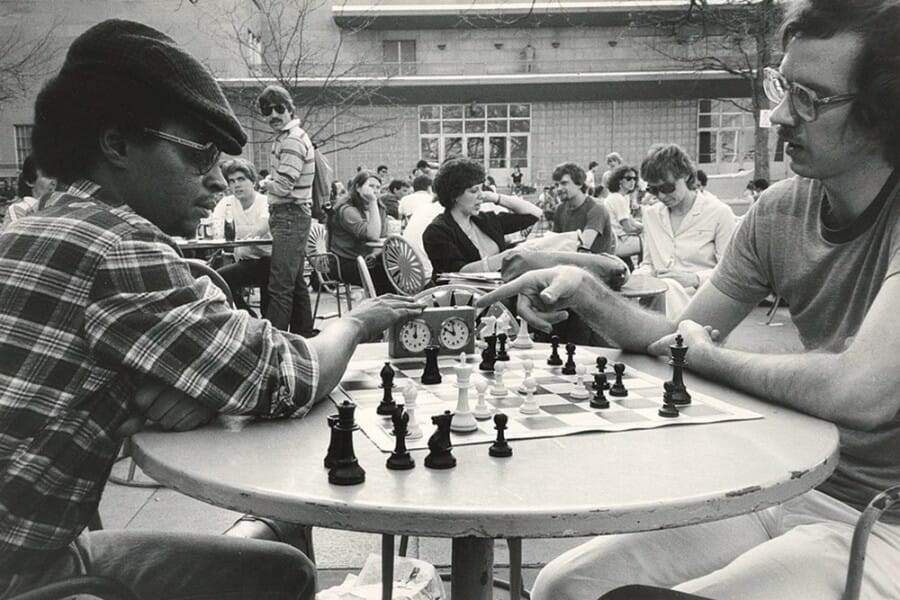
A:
(440, 454)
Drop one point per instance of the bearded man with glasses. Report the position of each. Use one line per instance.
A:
(289, 191)
(826, 240)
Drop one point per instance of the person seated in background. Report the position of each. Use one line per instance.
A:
(490, 185)
(415, 229)
(579, 212)
(250, 210)
(686, 232)
(360, 218)
(462, 238)
(133, 127)
(31, 186)
(421, 197)
(516, 180)
(397, 189)
(622, 184)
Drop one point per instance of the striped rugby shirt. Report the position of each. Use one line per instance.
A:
(293, 164)
(93, 298)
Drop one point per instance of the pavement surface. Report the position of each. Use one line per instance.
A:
(341, 552)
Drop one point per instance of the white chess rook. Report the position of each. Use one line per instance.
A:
(413, 431)
(463, 419)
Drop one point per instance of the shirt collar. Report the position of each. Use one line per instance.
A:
(291, 124)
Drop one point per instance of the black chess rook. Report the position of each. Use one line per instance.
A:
(346, 469)
(500, 448)
(432, 374)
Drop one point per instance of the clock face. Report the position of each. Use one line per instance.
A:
(414, 336)
(454, 333)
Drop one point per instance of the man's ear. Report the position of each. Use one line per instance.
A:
(114, 147)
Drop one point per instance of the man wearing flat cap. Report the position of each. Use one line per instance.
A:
(102, 325)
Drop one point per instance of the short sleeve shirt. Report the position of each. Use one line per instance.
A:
(619, 207)
(589, 215)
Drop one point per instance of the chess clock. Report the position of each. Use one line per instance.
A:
(452, 328)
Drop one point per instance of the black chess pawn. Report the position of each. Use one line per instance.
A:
(489, 354)
(668, 409)
(346, 469)
(387, 404)
(618, 388)
(500, 448)
(501, 351)
(554, 360)
(400, 459)
(440, 454)
(432, 374)
(569, 367)
(602, 361)
(599, 400)
(677, 353)
(332, 442)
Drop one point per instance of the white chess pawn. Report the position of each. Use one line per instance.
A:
(499, 388)
(529, 407)
(523, 339)
(463, 419)
(527, 365)
(413, 431)
(482, 410)
(578, 390)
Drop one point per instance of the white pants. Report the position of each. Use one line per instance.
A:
(798, 550)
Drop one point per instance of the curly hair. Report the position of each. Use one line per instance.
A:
(618, 174)
(575, 173)
(454, 177)
(664, 160)
(876, 76)
(239, 165)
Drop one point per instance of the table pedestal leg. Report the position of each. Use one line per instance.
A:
(515, 567)
(472, 576)
(387, 566)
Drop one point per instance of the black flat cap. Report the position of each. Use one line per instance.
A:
(143, 56)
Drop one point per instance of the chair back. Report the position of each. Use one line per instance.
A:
(317, 242)
(199, 269)
(404, 267)
(366, 277)
(450, 295)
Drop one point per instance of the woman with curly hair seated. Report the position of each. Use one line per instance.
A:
(462, 238)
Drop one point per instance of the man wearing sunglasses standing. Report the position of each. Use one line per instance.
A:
(828, 241)
(103, 326)
(289, 191)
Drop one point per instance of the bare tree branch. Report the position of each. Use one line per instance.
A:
(24, 58)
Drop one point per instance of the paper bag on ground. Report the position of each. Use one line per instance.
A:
(413, 580)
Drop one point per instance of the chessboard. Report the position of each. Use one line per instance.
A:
(559, 414)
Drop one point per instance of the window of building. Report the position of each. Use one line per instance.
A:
(399, 57)
(23, 143)
(725, 133)
(498, 135)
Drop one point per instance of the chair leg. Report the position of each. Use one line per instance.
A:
(387, 566)
(515, 567)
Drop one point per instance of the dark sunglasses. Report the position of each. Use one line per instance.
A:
(666, 188)
(629, 178)
(268, 108)
(202, 157)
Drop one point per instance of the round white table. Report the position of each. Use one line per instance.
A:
(595, 483)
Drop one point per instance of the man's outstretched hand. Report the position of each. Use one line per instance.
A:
(544, 295)
(377, 314)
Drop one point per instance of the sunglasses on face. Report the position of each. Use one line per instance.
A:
(629, 178)
(268, 108)
(804, 102)
(665, 188)
(201, 157)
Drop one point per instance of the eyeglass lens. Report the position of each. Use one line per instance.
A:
(666, 188)
(267, 109)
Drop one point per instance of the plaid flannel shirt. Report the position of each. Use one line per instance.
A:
(93, 298)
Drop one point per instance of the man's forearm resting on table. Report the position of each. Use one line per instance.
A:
(334, 347)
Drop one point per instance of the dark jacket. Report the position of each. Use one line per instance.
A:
(448, 247)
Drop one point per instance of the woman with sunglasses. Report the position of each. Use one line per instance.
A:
(622, 185)
(358, 218)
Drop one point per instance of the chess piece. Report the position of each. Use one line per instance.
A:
(579, 390)
(463, 419)
(346, 469)
(601, 364)
(482, 410)
(668, 409)
(501, 352)
(599, 400)
(489, 354)
(523, 339)
(554, 360)
(618, 388)
(387, 404)
(400, 459)
(332, 443)
(499, 388)
(500, 448)
(440, 454)
(677, 353)
(569, 367)
(413, 431)
(527, 365)
(432, 374)
(529, 407)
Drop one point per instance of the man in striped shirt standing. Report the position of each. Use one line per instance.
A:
(289, 191)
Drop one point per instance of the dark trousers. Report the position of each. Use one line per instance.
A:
(289, 306)
(248, 273)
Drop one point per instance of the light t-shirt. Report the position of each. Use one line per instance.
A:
(830, 279)
(250, 223)
(411, 203)
(416, 227)
(619, 207)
